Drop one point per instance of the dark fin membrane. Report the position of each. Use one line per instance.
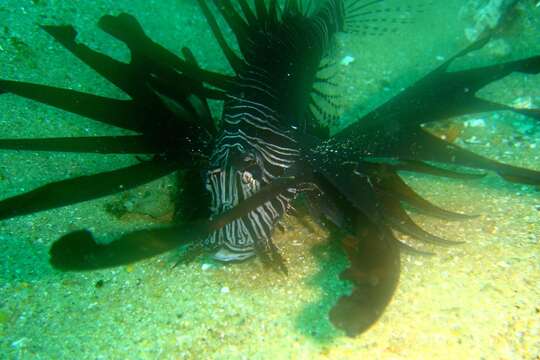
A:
(374, 270)
(232, 17)
(377, 191)
(398, 219)
(83, 188)
(291, 7)
(385, 180)
(234, 60)
(412, 250)
(164, 102)
(120, 74)
(144, 51)
(132, 78)
(325, 103)
(377, 17)
(79, 251)
(394, 128)
(430, 148)
(128, 144)
(425, 168)
(125, 114)
(193, 199)
(262, 11)
(389, 191)
(168, 107)
(248, 13)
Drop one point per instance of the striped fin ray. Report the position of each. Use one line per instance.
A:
(233, 19)
(292, 7)
(233, 59)
(248, 13)
(262, 11)
(376, 190)
(377, 17)
(273, 11)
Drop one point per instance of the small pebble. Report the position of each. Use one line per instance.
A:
(472, 140)
(225, 290)
(475, 123)
(205, 267)
(347, 60)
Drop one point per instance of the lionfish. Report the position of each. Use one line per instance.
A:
(271, 144)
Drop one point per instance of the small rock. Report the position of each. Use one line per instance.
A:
(499, 48)
(472, 140)
(347, 60)
(205, 267)
(225, 290)
(475, 123)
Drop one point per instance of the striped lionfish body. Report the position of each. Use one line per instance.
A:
(263, 118)
(271, 143)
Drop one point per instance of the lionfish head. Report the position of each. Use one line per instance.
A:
(234, 178)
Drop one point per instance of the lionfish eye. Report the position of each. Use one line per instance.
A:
(249, 159)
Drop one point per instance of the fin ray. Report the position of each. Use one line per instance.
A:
(83, 188)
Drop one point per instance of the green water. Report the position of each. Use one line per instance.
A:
(477, 300)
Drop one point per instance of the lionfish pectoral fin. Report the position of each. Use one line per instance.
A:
(389, 191)
(322, 207)
(430, 148)
(120, 74)
(396, 190)
(412, 250)
(532, 113)
(425, 168)
(463, 97)
(120, 113)
(419, 104)
(127, 29)
(83, 188)
(234, 60)
(128, 144)
(79, 251)
(374, 270)
(208, 121)
(398, 219)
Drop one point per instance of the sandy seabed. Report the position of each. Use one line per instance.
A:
(478, 300)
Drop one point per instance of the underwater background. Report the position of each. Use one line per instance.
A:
(478, 300)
